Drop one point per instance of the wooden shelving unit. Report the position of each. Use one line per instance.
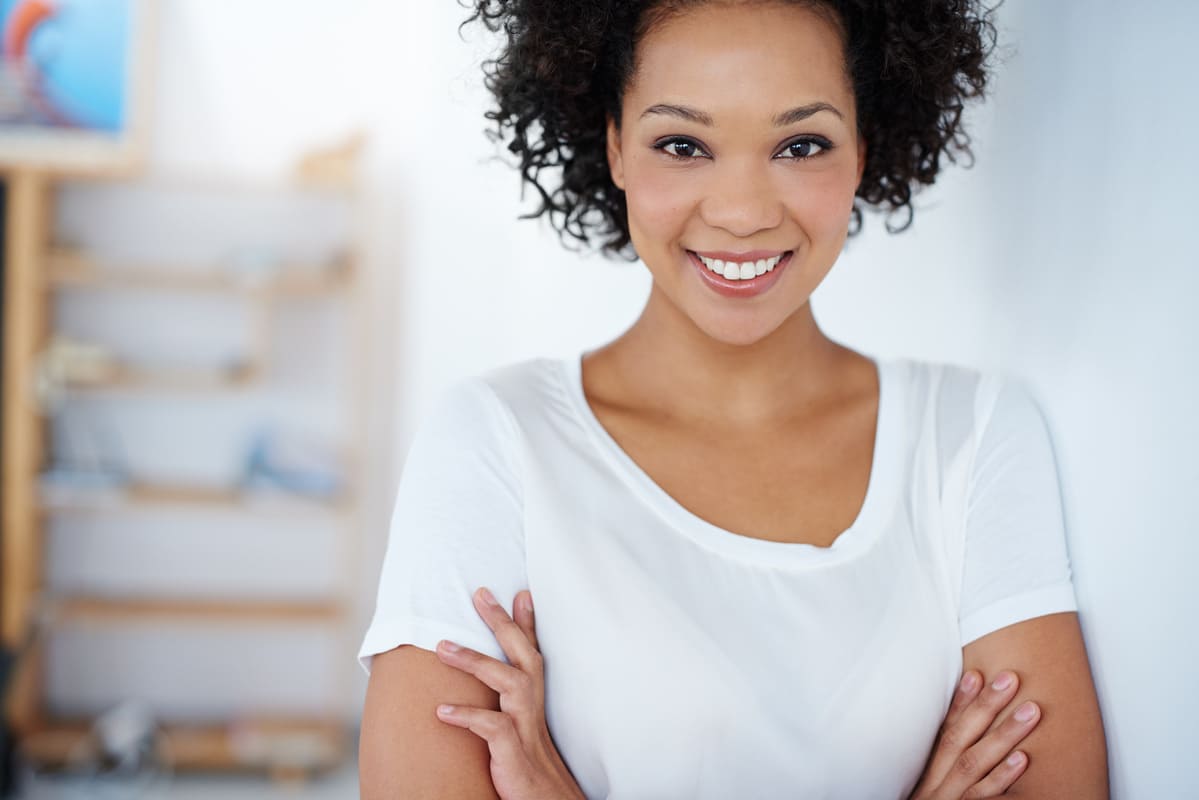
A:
(36, 269)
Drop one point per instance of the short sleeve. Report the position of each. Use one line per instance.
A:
(1016, 565)
(457, 524)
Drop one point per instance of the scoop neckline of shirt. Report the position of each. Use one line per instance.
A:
(854, 540)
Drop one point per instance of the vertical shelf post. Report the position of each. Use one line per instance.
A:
(25, 325)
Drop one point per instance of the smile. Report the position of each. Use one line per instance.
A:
(740, 270)
(740, 275)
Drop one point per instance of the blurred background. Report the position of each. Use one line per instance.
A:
(246, 244)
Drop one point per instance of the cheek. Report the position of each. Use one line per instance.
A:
(823, 202)
(659, 201)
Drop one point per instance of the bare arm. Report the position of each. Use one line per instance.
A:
(1068, 750)
(406, 752)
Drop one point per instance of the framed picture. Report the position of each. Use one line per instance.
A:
(74, 84)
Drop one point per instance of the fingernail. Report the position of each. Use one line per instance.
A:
(528, 601)
(449, 646)
(1026, 712)
(969, 681)
(446, 710)
(1002, 682)
(488, 597)
(1015, 759)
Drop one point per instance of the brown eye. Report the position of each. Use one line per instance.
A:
(680, 149)
(803, 148)
(684, 149)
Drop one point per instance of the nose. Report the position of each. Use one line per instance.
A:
(742, 200)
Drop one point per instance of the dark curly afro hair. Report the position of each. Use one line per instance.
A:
(564, 65)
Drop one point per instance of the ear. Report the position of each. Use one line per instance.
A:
(615, 157)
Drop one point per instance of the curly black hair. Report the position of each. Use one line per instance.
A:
(564, 66)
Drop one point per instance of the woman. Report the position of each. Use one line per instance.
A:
(762, 561)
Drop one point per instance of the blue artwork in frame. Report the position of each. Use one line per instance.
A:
(71, 73)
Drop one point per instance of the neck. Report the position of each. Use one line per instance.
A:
(665, 362)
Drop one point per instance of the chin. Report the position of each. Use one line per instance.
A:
(738, 333)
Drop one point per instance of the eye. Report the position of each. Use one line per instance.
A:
(807, 147)
(680, 149)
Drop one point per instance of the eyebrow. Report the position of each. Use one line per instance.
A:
(789, 117)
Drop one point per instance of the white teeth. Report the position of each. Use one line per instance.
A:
(735, 271)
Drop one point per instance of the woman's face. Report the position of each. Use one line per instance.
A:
(738, 143)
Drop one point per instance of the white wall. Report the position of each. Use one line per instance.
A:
(1063, 256)
(1104, 281)
(1067, 256)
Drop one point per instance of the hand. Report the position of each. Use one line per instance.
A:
(968, 762)
(525, 764)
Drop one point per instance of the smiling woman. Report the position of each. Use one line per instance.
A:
(765, 565)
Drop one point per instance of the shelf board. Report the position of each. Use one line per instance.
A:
(120, 376)
(121, 609)
(245, 744)
(67, 268)
(148, 496)
(192, 180)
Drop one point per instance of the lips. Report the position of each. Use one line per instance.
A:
(738, 287)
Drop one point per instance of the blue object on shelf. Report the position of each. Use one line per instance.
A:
(290, 466)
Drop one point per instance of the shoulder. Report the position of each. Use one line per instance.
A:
(969, 396)
(469, 448)
(493, 398)
(525, 386)
(945, 375)
(492, 409)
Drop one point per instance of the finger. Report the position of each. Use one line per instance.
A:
(513, 684)
(994, 747)
(495, 727)
(1000, 778)
(967, 690)
(512, 639)
(522, 612)
(968, 726)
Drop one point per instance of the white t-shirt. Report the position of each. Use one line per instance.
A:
(686, 661)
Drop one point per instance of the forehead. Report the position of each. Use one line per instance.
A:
(752, 55)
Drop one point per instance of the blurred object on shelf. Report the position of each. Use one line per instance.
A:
(293, 464)
(126, 750)
(280, 748)
(337, 165)
(88, 461)
(124, 755)
(65, 361)
(72, 364)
